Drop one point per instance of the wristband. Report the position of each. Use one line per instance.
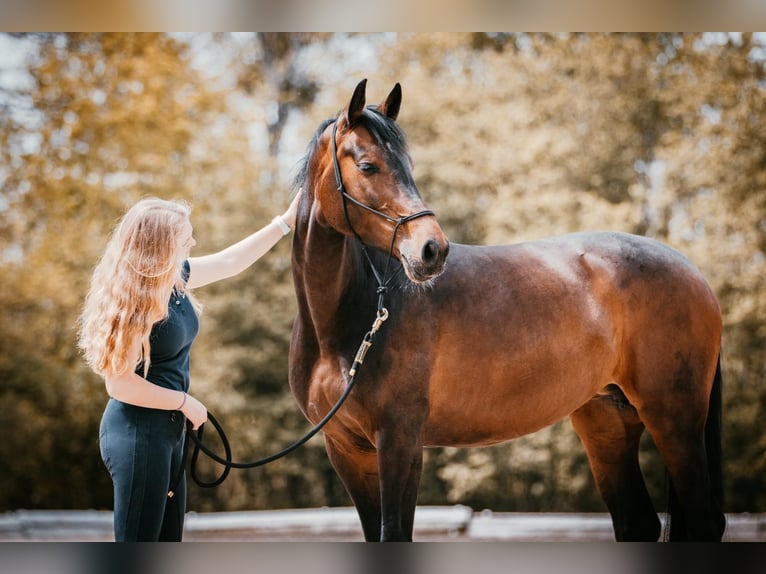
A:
(183, 402)
(282, 224)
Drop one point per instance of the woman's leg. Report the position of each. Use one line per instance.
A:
(175, 508)
(137, 453)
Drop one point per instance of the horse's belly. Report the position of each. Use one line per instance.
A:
(485, 422)
(487, 398)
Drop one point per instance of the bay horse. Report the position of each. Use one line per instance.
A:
(484, 344)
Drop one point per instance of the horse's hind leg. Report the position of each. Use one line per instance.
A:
(676, 419)
(697, 515)
(358, 471)
(610, 431)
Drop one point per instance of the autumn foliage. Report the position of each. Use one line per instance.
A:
(513, 137)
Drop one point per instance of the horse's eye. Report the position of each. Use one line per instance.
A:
(366, 167)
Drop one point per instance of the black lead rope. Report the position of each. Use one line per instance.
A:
(381, 316)
(228, 463)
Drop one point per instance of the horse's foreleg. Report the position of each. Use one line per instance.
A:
(400, 455)
(610, 431)
(358, 471)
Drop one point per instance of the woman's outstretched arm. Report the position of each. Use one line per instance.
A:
(241, 255)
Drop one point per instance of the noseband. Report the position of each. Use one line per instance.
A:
(382, 279)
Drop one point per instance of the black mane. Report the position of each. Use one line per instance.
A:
(303, 167)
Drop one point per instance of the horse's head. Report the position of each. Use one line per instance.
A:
(362, 185)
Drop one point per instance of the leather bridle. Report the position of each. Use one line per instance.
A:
(382, 279)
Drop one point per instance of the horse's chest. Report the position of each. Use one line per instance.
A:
(326, 381)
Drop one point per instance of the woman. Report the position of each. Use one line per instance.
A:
(136, 330)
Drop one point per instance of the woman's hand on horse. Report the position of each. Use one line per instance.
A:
(195, 411)
(292, 210)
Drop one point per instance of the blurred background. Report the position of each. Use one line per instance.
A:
(513, 136)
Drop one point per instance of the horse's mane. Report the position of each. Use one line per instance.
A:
(303, 167)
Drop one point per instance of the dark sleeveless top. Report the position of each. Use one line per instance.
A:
(170, 342)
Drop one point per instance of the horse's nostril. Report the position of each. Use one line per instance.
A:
(430, 252)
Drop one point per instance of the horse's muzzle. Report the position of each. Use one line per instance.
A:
(430, 262)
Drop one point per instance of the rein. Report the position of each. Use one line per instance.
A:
(381, 316)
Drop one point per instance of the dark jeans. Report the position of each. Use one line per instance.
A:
(142, 449)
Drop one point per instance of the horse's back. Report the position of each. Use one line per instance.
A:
(643, 287)
(623, 264)
(527, 333)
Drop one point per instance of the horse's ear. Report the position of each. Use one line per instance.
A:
(392, 104)
(356, 106)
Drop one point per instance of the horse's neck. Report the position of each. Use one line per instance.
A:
(326, 270)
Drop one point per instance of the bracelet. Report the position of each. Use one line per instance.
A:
(183, 402)
(282, 224)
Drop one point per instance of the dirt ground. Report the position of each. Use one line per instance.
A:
(432, 524)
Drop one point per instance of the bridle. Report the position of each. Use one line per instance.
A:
(382, 314)
(382, 279)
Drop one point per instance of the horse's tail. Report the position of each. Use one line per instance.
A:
(713, 452)
(713, 448)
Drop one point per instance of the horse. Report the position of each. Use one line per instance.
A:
(484, 344)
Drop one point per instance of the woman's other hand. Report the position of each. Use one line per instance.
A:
(194, 411)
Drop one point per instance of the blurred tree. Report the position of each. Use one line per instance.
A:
(275, 70)
(513, 136)
(112, 118)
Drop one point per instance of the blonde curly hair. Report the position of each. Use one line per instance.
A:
(131, 285)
